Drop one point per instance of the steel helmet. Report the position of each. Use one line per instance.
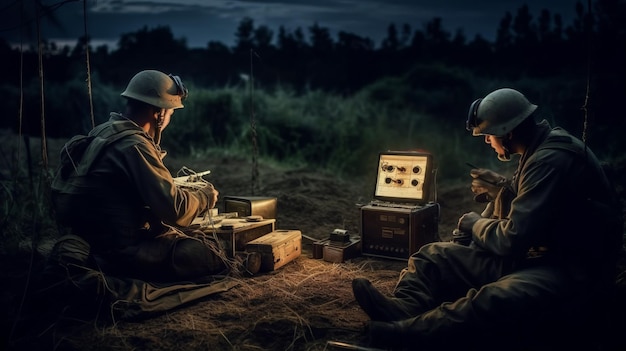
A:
(157, 89)
(498, 113)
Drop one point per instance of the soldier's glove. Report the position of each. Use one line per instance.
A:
(463, 238)
(486, 184)
(466, 222)
(211, 193)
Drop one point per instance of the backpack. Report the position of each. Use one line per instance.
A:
(612, 212)
(75, 161)
(74, 151)
(562, 140)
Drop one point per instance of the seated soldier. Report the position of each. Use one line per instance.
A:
(122, 200)
(542, 260)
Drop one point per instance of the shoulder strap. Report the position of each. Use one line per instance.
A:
(81, 151)
(97, 145)
(560, 139)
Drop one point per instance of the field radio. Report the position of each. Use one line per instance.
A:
(401, 218)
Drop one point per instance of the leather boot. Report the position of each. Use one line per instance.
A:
(377, 306)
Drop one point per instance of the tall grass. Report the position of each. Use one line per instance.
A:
(341, 134)
(423, 110)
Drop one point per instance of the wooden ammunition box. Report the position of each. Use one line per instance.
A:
(277, 248)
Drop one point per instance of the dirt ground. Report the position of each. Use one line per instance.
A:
(302, 306)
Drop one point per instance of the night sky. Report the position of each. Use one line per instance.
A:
(201, 21)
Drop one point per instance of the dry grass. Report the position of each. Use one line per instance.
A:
(297, 307)
(300, 306)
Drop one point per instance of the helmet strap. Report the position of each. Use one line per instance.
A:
(506, 156)
(160, 118)
(159, 126)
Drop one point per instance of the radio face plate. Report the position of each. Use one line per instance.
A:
(404, 177)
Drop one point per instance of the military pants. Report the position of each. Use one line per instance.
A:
(459, 294)
(172, 256)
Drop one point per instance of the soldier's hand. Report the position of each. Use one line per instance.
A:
(466, 222)
(211, 194)
(486, 184)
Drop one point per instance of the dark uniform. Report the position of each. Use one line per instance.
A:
(547, 266)
(124, 203)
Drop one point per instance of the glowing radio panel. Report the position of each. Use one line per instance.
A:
(404, 176)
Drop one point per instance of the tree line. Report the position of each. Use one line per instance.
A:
(594, 44)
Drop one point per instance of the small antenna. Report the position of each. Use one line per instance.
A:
(589, 27)
(255, 148)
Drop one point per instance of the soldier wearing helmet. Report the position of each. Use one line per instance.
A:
(552, 252)
(163, 93)
(122, 200)
(497, 115)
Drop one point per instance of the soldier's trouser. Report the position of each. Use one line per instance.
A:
(178, 256)
(457, 291)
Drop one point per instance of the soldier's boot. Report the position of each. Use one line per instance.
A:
(377, 306)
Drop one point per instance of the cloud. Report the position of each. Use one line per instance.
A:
(143, 7)
(201, 21)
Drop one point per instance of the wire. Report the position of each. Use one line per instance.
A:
(186, 177)
(253, 130)
(40, 14)
(89, 92)
(585, 107)
(435, 185)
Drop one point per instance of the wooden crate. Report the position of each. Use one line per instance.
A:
(277, 248)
